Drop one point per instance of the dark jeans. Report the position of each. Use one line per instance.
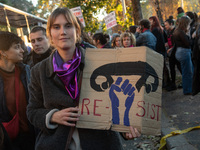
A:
(166, 79)
(172, 64)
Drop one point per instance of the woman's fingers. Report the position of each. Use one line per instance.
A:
(137, 132)
(71, 109)
(66, 116)
(134, 133)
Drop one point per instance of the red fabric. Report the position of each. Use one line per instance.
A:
(12, 127)
(144, 29)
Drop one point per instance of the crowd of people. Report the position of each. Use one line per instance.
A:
(176, 40)
(32, 116)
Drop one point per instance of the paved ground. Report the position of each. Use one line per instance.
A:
(179, 112)
(183, 112)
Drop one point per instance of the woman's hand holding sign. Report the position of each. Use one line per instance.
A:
(134, 133)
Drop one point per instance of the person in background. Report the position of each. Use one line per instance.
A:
(40, 44)
(100, 40)
(14, 96)
(193, 26)
(143, 35)
(116, 42)
(54, 92)
(169, 26)
(132, 29)
(128, 40)
(183, 53)
(119, 32)
(161, 37)
(196, 62)
(180, 12)
(86, 41)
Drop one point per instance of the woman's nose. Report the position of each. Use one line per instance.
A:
(21, 50)
(62, 30)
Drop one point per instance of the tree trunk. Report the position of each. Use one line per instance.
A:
(159, 11)
(137, 11)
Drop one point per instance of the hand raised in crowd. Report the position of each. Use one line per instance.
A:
(66, 116)
(169, 50)
(134, 133)
(138, 29)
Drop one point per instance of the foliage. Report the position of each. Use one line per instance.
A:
(23, 5)
(116, 5)
(89, 9)
(168, 7)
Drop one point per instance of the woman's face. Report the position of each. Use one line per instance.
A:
(14, 53)
(167, 26)
(151, 21)
(95, 43)
(117, 42)
(63, 34)
(126, 42)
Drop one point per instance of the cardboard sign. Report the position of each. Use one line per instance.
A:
(121, 88)
(110, 20)
(78, 13)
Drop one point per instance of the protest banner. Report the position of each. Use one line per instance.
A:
(78, 13)
(122, 87)
(110, 20)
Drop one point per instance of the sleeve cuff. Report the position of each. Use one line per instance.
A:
(48, 119)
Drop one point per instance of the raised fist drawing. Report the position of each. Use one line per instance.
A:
(128, 90)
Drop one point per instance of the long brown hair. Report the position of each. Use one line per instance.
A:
(114, 40)
(156, 24)
(183, 23)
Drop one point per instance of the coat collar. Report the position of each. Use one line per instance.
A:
(49, 63)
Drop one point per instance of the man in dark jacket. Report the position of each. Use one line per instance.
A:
(40, 44)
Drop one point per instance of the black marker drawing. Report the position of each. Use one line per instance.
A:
(125, 69)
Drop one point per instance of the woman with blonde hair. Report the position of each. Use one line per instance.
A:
(54, 92)
(128, 40)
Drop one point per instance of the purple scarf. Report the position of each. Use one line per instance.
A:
(67, 72)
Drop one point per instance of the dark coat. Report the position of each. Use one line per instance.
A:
(33, 58)
(25, 139)
(196, 61)
(161, 40)
(47, 92)
(25, 78)
(86, 45)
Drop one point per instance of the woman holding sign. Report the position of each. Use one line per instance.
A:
(54, 92)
